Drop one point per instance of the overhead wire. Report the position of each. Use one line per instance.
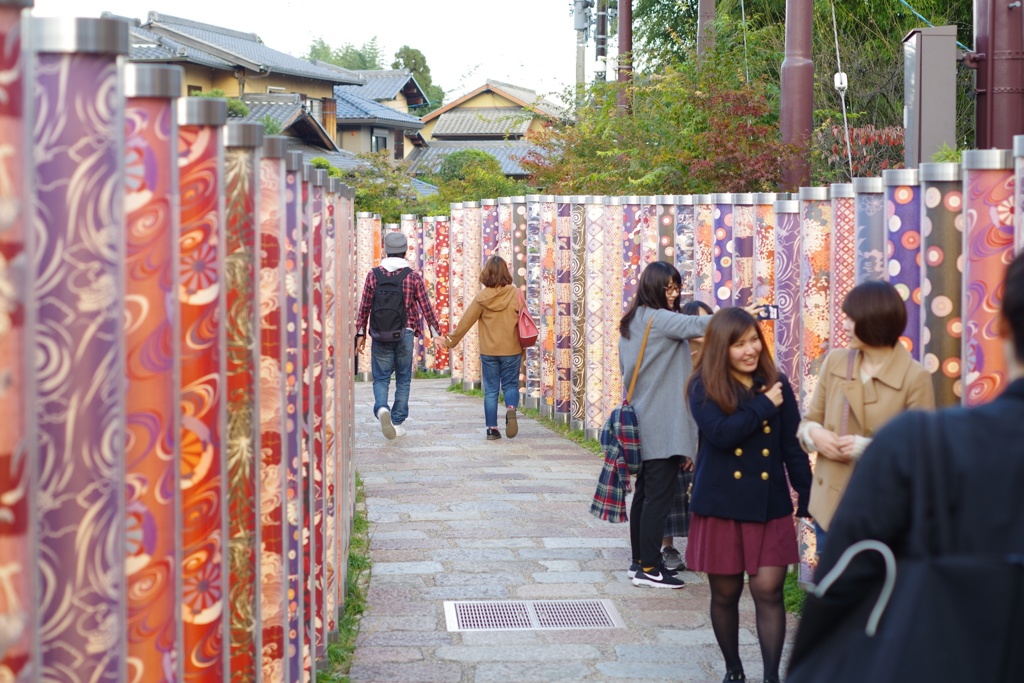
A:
(841, 85)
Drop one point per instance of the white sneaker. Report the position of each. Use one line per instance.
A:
(399, 430)
(388, 429)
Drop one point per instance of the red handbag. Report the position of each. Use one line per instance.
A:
(526, 329)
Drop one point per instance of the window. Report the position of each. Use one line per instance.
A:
(379, 139)
(399, 145)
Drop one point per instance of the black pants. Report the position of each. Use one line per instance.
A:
(653, 492)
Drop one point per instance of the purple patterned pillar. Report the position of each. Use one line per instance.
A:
(815, 236)
(79, 347)
(684, 243)
(703, 249)
(869, 230)
(988, 249)
(787, 290)
(17, 450)
(153, 448)
(533, 277)
(632, 248)
(942, 243)
(743, 249)
(723, 250)
(903, 219)
(563, 307)
(578, 266)
(665, 218)
(764, 259)
(490, 229)
(842, 257)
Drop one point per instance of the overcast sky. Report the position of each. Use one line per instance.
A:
(530, 43)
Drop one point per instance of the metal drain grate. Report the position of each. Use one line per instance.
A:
(531, 615)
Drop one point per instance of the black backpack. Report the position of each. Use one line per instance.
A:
(387, 311)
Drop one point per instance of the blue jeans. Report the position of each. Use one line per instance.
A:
(499, 372)
(819, 537)
(388, 357)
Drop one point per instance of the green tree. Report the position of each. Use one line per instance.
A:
(348, 56)
(382, 187)
(469, 175)
(412, 59)
(236, 108)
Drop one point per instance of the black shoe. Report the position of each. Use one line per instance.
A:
(734, 676)
(658, 577)
(493, 434)
(511, 424)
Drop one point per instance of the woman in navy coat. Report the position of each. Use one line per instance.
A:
(742, 509)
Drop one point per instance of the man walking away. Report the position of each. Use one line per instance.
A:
(394, 305)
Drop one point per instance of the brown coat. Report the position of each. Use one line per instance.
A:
(497, 309)
(900, 384)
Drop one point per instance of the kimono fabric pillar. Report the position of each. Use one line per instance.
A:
(578, 265)
(364, 262)
(723, 250)
(315, 412)
(563, 308)
(842, 258)
(594, 306)
(988, 249)
(272, 417)
(345, 426)
(665, 218)
(309, 486)
(430, 281)
(548, 305)
(490, 229)
(684, 243)
(815, 235)
(17, 450)
(787, 290)
(903, 220)
(292, 514)
(869, 230)
(472, 377)
(328, 425)
(764, 259)
(1018, 174)
(649, 231)
(533, 302)
(413, 232)
(203, 455)
(505, 229)
(518, 266)
(703, 249)
(942, 240)
(457, 287)
(152, 364)
(632, 247)
(442, 298)
(242, 143)
(79, 349)
(743, 249)
(614, 287)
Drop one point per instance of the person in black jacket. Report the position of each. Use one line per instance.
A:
(742, 512)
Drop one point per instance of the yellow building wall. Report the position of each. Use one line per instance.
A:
(483, 100)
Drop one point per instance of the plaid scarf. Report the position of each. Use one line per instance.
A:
(620, 441)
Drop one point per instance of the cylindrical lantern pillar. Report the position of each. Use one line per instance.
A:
(548, 304)
(532, 264)
(315, 411)
(723, 250)
(490, 228)
(649, 231)
(429, 231)
(578, 266)
(471, 370)
(665, 218)
(787, 290)
(988, 249)
(942, 241)
(457, 286)
(703, 249)
(903, 219)
(869, 228)
(815, 236)
(842, 258)
(79, 346)
(632, 247)
(17, 449)
(518, 266)
(684, 243)
(595, 312)
(505, 230)
(563, 310)
(203, 419)
(442, 297)
(764, 259)
(310, 488)
(411, 228)
(743, 249)
(329, 424)
(613, 292)
(152, 396)
(365, 261)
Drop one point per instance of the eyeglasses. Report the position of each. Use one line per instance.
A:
(672, 289)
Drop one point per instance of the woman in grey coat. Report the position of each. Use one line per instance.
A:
(667, 432)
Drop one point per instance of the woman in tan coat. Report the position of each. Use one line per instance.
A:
(496, 307)
(875, 377)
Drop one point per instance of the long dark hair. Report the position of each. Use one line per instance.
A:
(724, 330)
(650, 292)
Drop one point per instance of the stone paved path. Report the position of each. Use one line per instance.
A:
(456, 517)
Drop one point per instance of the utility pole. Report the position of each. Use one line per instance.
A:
(625, 51)
(998, 52)
(705, 27)
(796, 117)
(581, 22)
(601, 38)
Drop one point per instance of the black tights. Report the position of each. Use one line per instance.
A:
(766, 589)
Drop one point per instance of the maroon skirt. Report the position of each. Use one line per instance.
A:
(726, 546)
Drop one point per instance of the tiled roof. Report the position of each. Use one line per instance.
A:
(346, 161)
(478, 122)
(146, 46)
(288, 111)
(353, 108)
(428, 159)
(382, 85)
(423, 189)
(247, 47)
(284, 114)
(530, 97)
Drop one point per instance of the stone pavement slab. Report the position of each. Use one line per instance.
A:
(456, 517)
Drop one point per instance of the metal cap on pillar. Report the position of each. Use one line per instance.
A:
(161, 81)
(868, 186)
(787, 206)
(987, 159)
(243, 134)
(275, 146)
(813, 194)
(294, 161)
(945, 171)
(79, 35)
(841, 191)
(202, 111)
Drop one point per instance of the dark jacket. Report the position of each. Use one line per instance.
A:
(745, 458)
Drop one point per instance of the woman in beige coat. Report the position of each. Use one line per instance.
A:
(496, 307)
(876, 377)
